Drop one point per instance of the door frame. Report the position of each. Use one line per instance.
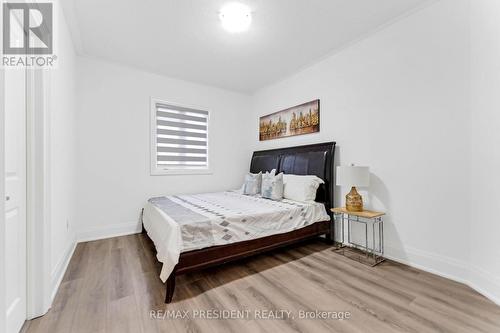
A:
(38, 277)
(3, 310)
(39, 293)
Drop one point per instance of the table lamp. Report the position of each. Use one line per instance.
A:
(353, 176)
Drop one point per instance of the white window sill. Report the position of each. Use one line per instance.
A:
(180, 172)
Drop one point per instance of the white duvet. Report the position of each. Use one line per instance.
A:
(183, 223)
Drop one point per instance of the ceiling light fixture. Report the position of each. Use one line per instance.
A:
(235, 17)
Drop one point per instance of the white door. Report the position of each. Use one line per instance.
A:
(15, 200)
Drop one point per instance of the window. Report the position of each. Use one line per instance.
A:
(179, 139)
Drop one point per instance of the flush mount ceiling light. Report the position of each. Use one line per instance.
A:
(235, 17)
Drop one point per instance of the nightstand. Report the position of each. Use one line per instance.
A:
(372, 251)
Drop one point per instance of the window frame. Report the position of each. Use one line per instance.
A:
(158, 171)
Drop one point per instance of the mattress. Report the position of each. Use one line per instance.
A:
(183, 223)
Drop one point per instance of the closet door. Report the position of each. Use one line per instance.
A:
(15, 199)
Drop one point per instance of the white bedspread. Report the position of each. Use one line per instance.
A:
(183, 223)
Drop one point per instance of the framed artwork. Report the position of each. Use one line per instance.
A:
(297, 120)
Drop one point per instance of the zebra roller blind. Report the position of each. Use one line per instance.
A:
(181, 138)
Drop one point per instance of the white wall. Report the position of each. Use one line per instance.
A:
(485, 122)
(397, 101)
(114, 144)
(61, 149)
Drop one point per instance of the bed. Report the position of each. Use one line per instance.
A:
(197, 231)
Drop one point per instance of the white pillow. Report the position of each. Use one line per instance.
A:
(301, 188)
(253, 183)
(241, 190)
(272, 186)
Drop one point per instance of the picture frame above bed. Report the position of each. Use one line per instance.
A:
(297, 120)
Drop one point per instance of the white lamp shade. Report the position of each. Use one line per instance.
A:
(353, 176)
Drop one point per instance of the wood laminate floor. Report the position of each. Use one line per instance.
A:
(112, 285)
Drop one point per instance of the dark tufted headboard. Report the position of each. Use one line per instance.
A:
(316, 159)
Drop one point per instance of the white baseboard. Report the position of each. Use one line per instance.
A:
(108, 231)
(60, 269)
(483, 282)
(444, 266)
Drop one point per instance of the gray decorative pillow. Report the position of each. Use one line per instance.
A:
(272, 186)
(253, 183)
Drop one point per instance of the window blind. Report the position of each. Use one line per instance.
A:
(181, 138)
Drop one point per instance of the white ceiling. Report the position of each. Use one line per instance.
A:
(184, 38)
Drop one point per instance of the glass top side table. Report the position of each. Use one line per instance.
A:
(373, 247)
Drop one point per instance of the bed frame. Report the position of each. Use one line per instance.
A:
(316, 159)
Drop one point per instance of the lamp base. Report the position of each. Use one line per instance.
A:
(354, 201)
